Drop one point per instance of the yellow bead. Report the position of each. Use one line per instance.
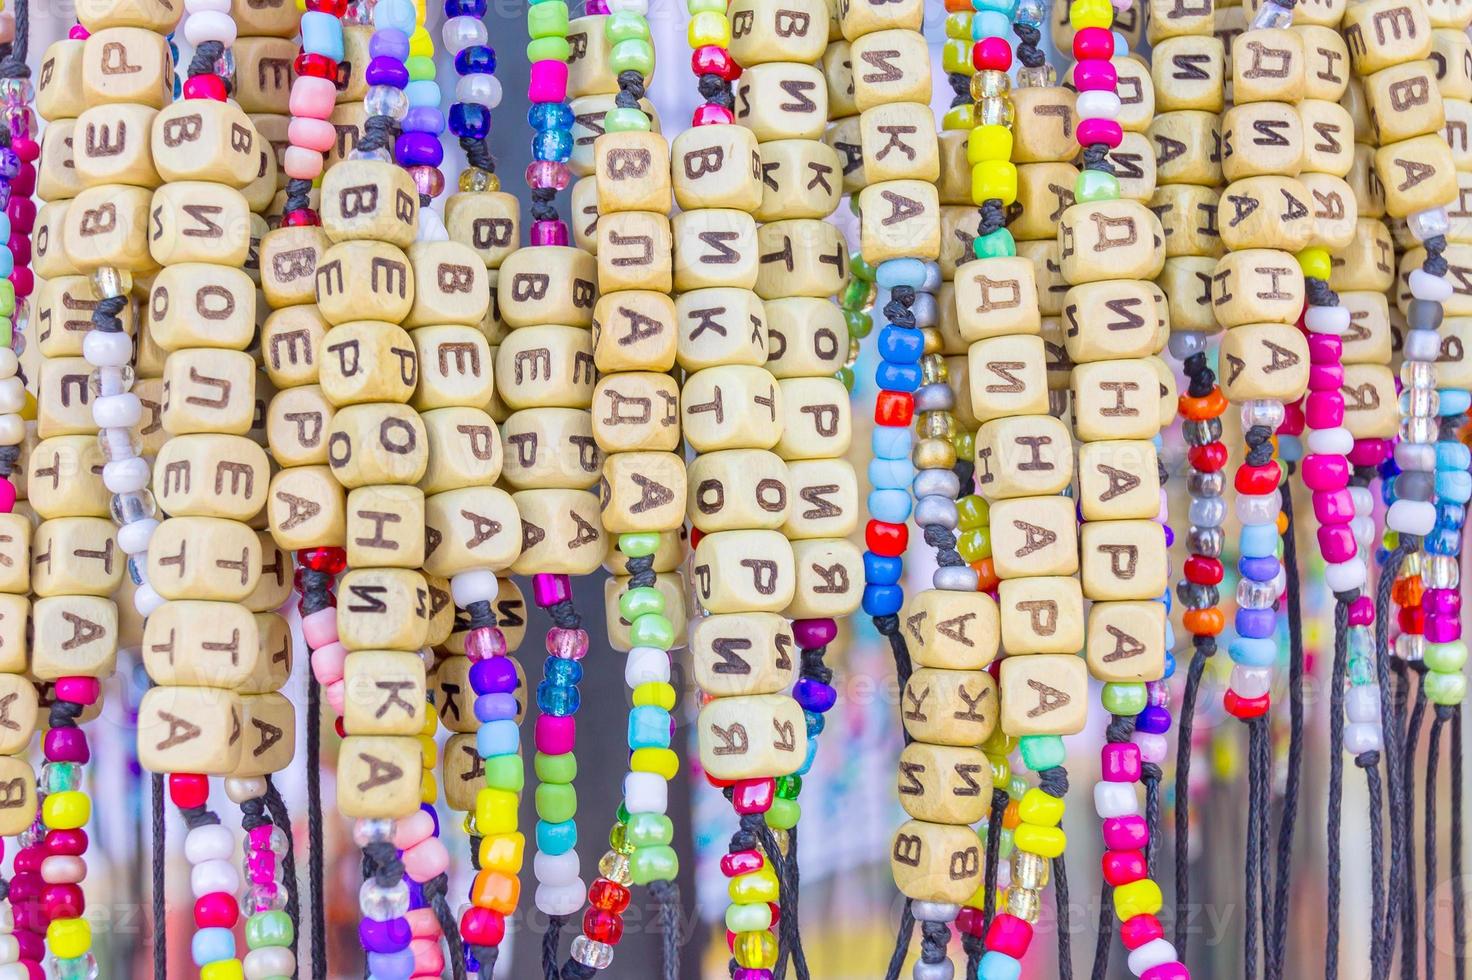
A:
(68, 810)
(1315, 262)
(655, 694)
(69, 938)
(28, 410)
(755, 950)
(758, 886)
(1090, 13)
(709, 27)
(1040, 808)
(958, 28)
(222, 970)
(421, 45)
(431, 751)
(495, 811)
(431, 724)
(955, 55)
(661, 761)
(990, 142)
(1047, 842)
(429, 790)
(503, 853)
(994, 179)
(958, 117)
(1137, 898)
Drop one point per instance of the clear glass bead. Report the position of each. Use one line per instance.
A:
(1440, 572)
(1262, 411)
(385, 100)
(1410, 646)
(381, 155)
(1429, 223)
(272, 898)
(1207, 512)
(1257, 508)
(59, 777)
(225, 64)
(1199, 483)
(82, 967)
(383, 902)
(615, 867)
(590, 952)
(1418, 374)
(16, 91)
(108, 282)
(136, 505)
(1043, 76)
(1421, 402)
(373, 830)
(137, 570)
(1270, 16)
(994, 112)
(1024, 903)
(277, 843)
(111, 380)
(985, 84)
(119, 444)
(22, 121)
(1031, 12)
(1029, 870)
(1202, 431)
(1420, 429)
(1256, 595)
(1206, 541)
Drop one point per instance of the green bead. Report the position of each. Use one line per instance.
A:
(651, 864)
(268, 929)
(618, 838)
(555, 768)
(859, 323)
(548, 19)
(652, 630)
(1124, 699)
(6, 331)
(1448, 689)
(632, 55)
(971, 512)
(758, 886)
(994, 245)
(505, 772)
(1017, 786)
(1361, 671)
(859, 267)
(1447, 658)
(650, 829)
(643, 543)
(789, 787)
(625, 25)
(621, 814)
(846, 375)
(1041, 752)
(1006, 843)
(783, 814)
(548, 49)
(748, 917)
(640, 602)
(421, 68)
(855, 294)
(975, 544)
(1096, 185)
(557, 802)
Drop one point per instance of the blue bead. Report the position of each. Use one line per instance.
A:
(1443, 541)
(813, 695)
(543, 116)
(901, 345)
(396, 15)
(495, 707)
(1121, 46)
(882, 569)
(322, 34)
(1454, 485)
(1253, 652)
(1450, 455)
(807, 760)
(1170, 634)
(1256, 624)
(7, 262)
(423, 92)
(990, 23)
(891, 441)
(814, 722)
(998, 966)
(210, 945)
(1259, 569)
(554, 145)
(469, 120)
(557, 838)
(562, 671)
(555, 699)
(1258, 540)
(5, 226)
(649, 727)
(900, 272)
(1290, 448)
(1450, 515)
(881, 600)
(891, 474)
(891, 506)
(1170, 664)
(1153, 720)
(897, 377)
(465, 8)
(497, 738)
(476, 60)
(392, 966)
(1454, 401)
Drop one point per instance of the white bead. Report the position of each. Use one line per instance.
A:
(1415, 456)
(9, 949)
(133, 537)
(1411, 516)
(1154, 953)
(924, 310)
(1362, 703)
(125, 475)
(556, 869)
(645, 665)
(213, 876)
(9, 363)
(1258, 508)
(1331, 442)
(211, 842)
(431, 226)
(1362, 737)
(117, 411)
(1153, 747)
(118, 442)
(933, 277)
(12, 395)
(103, 348)
(1429, 223)
(14, 971)
(1327, 319)
(1364, 500)
(7, 919)
(209, 25)
(1426, 286)
(1098, 105)
(474, 586)
(481, 89)
(1364, 530)
(12, 429)
(1251, 682)
(460, 33)
(1343, 576)
(561, 899)
(146, 600)
(1115, 800)
(197, 6)
(645, 792)
(269, 961)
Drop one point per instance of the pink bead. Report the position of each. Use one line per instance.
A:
(1009, 934)
(709, 114)
(1324, 409)
(412, 829)
(1336, 541)
(1106, 131)
(312, 97)
(556, 735)
(302, 163)
(1370, 452)
(1362, 612)
(78, 33)
(552, 232)
(329, 662)
(1334, 506)
(211, 87)
(485, 642)
(423, 924)
(1325, 348)
(567, 644)
(548, 82)
(549, 590)
(315, 134)
(66, 745)
(1325, 377)
(28, 149)
(1138, 930)
(23, 281)
(1093, 44)
(735, 863)
(320, 628)
(1126, 833)
(426, 859)
(63, 869)
(78, 690)
(1442, 629)
(260, 837)
(1174, 970)
(548, 173)
(260, 867)
(7, 496)
(1325, 472)
(1095, 76)
(428, 960)
(1443, 602)
(336, 695)
(1119, 762)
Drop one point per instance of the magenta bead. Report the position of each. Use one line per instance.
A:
(1325, 377)
(552, 232)
(1324, 409)
(751, 973)
(485, 642)
(66, 745)
(710, 114)
(735, 863)
(260, 837)
(548, 82)
(27, 860)
(1325, 472)
(77, 33)
(811, 634)
(1334, 506)
(7, 496)
(24, 181)
(1119, 762)
(1337, 542)
(1325, 348)
(1442, 602)
(1362, 612)
(567, 644)
(1369, 452)
(78, 690)
(1093, 44)
(32, 946)
(548, 174)
(23, 280)
(261, 867)
(1126, 833)
(1106, 131)
(1174, 970)
(549, 590)
(1442, 629)
(1096, 76)
(556, 735)
(22, 212)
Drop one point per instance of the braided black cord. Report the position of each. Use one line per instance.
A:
(901, 942)
(281, 817)
(206, 60)
(1433, 758)
(1278, 946)
(316, 596)
(160, 907)
(1054, 782)
(434, 894)
(1383, 943)
(1256, 799)
(14, 65)
(1336, 786)
(1028, 52)
(1410, 913)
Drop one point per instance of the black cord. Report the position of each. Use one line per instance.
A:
(1459, 891)
(1382, 945)
(315, 874)
(281, 817)
(1054, 782)
(160, 905)
(1336, 787)
(1102, 937)
(1205, 648)
(1277, 953)
(1409, 912)
(1256, 798)
(1433, 754)
(901, 942)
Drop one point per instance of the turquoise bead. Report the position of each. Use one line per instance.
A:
(1452, 455)
(1454, 401)
(7, 261)
(1123, 698)
(1447, 689)
(891, 441)
(1096, 185)
(892, 506)
(998, 966)
(5, 226)
(652, 630)
(651, 864)
(1454, 485)
(1004, 6)
(649, 830)
(395, 14)
(891, 474)
(621, 119)
(322, 34)
(807, 760)
(1251, 652)
(1258, 540)
(1041, 752)
(497, 738)
(991, 23)
(900, 272)
(996, 244)
(211, 945)
(557, 838)
(649, 728)
(269, 929)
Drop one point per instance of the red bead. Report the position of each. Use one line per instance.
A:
(1412, 619)
(895, 408)
(301, 218)
(65, 842)
(695, 535)
(970, 921)
(886, 539)
(1246, 708)
(1209, 458)
(1292, 419)
(742, 863)
(315, 66)
(1093, 44)
(711, 114)
(776, 913)
(753, 795)
(1258, 480)
(711, 59)
(608, 895)
(338, 727)
(336, 8)
(1009, 934)
(329, 560)
(210, 86)
(1123, 867)
(28, 859)
(482, 927)
(216, 909)
(1138, 930)
(1202, 570)
(992, 54)
(188, 789)
(603, 927)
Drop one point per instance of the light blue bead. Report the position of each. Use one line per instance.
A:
(557, 838)
(1452, 455)
(891, 506)
(891, 474)
(395, 15)
(1005, 6)
(881, 300)
(1454, 485)
(7, 262)
(1455, 401)
(900, 272)
(649, 727)
(210, 945)
(1170, 635)
(322, 34)
(891, 442)
(423, 92)
(1121, 46)
(5, 226)
(991, 23)
(1258, 540)
(1290, 448)
(807, 760)
(998, 966)
(1254, 652)
(497, 738)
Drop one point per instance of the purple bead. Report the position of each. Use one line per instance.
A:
(495, 707)
(1443, 629)
(389, 43)
(387, 71)
(549, 590)
(1442, 602)
(814, 695)
(549, 233)
(433, 815)
(385, 935)
(391, 966)
(1170, 535)
(423, 119)
(1256, 623)
(1155, 721)
(1259, 569)
(495, 675)
(416, 893)
(9, 163)
(67, 745)
(811, 634)
(418, 150)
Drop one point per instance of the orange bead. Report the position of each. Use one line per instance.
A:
(1010, 816)
(1407, 591)
(1204, 622)
(1207, 407)
(1282, 523)
(986, 575)
(496, 891)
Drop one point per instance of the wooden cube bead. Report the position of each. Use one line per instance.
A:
(1334, 210)
(48, 257)
(450, 285)
(634, 251)
(209, 391)
(636, 410)
(307, 508)
(195, 729)
(642, 491)
(109, 145)
(944, 784)
(817, 419)
(545, 447)
(739, 571)
(1451, 50)
(995, 298)
(751, 736)
(383, 609)
(548, 284)
(462, 771)
(739, 654)
(1453, 367)
(671, 586)
(211, 476)
(441, 611)
(633, 172)
(958, 227)
(949, 707)
(843, 137)
(486, 221)
(1126, 641)
(1228, 24)
(18, 715)
(200, 304)
(268, 723)
(64, 479)
(1044, 695)
(1115, 400)
(798, 178)
(1369, 193)
(1261, 138)
(1122, 560)
(890, 66)
(288, 263)
(730, 407)
(196, 221)
(1044, 193)
(1187, 72)
(108, 226)
(369, 200)
(951, 630)
(379, 776)
(829, 579)
(1187, 214)
(201, 644)
(561, 532)
(588, 70)
(1265, 212)
(738, 489)
(204, 558)
(790, 31)
(1416, 174)
(63, 399)
(1136, 93)
(1327, 61)
(364, 280)
(899, 219)
(127, 64)
(59, 81)
(1110, 240)
(1187, 148)
(263, 66)
(383, 693)
(716, 167)
(76, 556)
(1257, 285)
(1370, 402)
(1404, 101)
(807, 336)
(204, 140)
(1368, 263)
(454, 696)
(1022, 456)
(936, 862)
(1187, 281)
(714, 247)
(296, 426)
(15, 553)
(1134, 164)
(588, 114)
(17, 794)
(1046, 120)
(899, 142)
(275, 585)
(1110, 319)
(347, 119)
(1367, 341)
(1381, 33)
(803, 257)
(383, 526)
(455, 367)
(1458, 133)
(634, 330)
(1266, 360)
(824, 499)
(291, 344)
(712, 327)
(1118, 480)
(1174, 18)
(73, 635)
(1328, 145)
(1034, 536)
(15, 618)
(1268, 65)
(473, 527)
(1043, 614)
(1008, 376)
(377, 443)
